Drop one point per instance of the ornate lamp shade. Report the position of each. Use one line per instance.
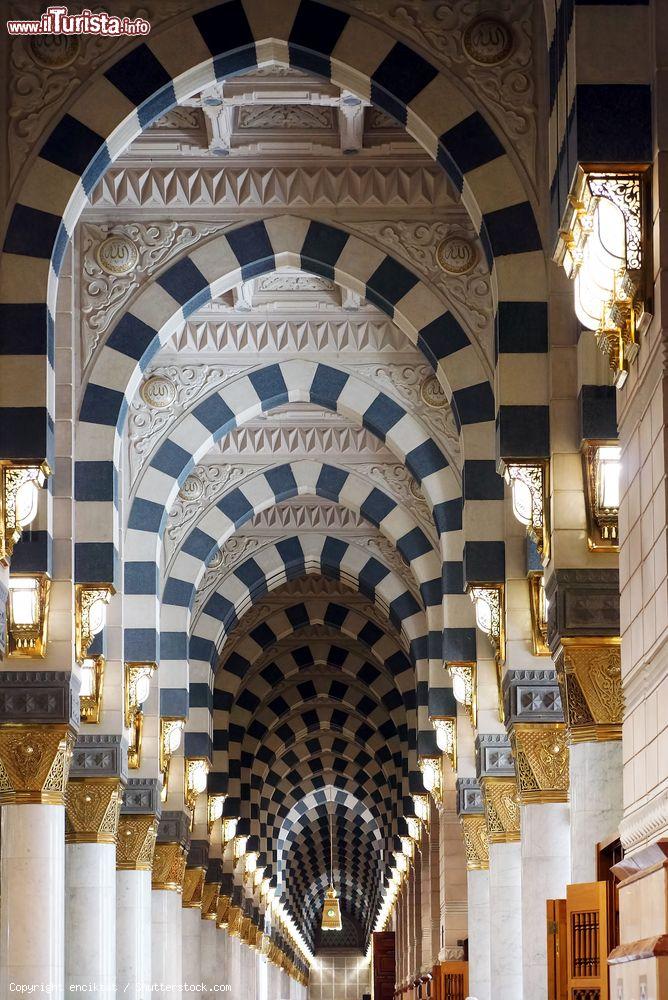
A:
(331, 911)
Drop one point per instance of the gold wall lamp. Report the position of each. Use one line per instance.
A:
(529, 486)
(196, 775)
(464, 687)
(601, 248)
(432, 777)
(446, 736)
(90, 693)
(601, 468)
(171, 734)
(19, 499)
(90, 614)
(137, 689)
(27, 615)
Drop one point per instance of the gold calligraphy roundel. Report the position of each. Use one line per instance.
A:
(117, 254)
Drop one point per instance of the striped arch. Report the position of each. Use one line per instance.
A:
(302, 852)
(197, 51)
(242, 399)
(272, 566)
(270, 487)
(207, 271)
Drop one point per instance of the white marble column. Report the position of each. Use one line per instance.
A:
(546, 864)
(479, 934)
(191, 922)
(208, 951)
(32, 901)
(224, 958)
(166, 938)
(596, 802)
(90, 917)
(133, 933)
(505, 912)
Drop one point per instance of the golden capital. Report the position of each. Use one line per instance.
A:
(135, 842)
(193, 885)
(93, 808)
(590, 677)
(169, 867)
(223, 911)
(34, 763)
(541, 761)
(234, 921)
(210, 892)
(502, 809)
(474, 829)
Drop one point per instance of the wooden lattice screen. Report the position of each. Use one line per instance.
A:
(450, 981)
(587, 940)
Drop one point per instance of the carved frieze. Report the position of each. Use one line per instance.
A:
(368, 336)
(276, 117)
(116, 260)
(230, 186)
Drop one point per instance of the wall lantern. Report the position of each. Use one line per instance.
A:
(90, 614)
(171, 734)
(228, 830)
(214, 810)
(432, 779)
(18, 501)
(196, 774)
(137, 689)
(538, 606)
(446, 736)
(489, 616)
(90, 692)
(421, 807)
(530, 492)
(464, 682)
(414, 828)
(27, 615)
(600, 248)
(239, 847)
(601, 467)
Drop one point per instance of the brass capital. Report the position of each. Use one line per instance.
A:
(590, 677)
(34, 763)
(93, 808)
(502, 810)
(210, 892)
(234, 921)
(541, 761)
(474, 829)
(135, 842)
(223, 911)
(169, 867)
(193, 885)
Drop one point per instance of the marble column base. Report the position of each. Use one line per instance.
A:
(596, 802)
(166, 938)
(209, 934)
(546, 865)
(191, 924)
(479, 934)
(133, 934)
(90, 917)
(32, 901)
(505, 911)
(224, 958)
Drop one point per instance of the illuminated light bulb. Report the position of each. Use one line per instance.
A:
(24, 595)
(142, 688)
(421, 806)
(459, 688)
(97, 615)
(414, 828)
(428, 776)
(608, 476)
(27, 498)
(216, 804)
(522, 501)
(87, 689)
(483, 615)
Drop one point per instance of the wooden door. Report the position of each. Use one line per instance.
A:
(557, 963)
(452, 979)
(587, 940)
(384, 966)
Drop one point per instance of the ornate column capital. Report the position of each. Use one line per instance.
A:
(531, 696)
(496, 772)
(476, 845)
(32, 697)
(193, 886)
(590, 678)
(582, 603)
(171, 849)
(93, 810)
(223, 911)
(138, 825)
(135, 842)
(210, 891)
(542, 762)
(34, 763)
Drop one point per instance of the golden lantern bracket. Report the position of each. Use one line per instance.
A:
(92, 685)
(488, 600)
(446, 736)
(214, 810)
(90, 604)
(538, 607)
(432, 777)
(171, 735)
(601, 462)
(602, 247)
(196, 776)
(529, 485)
(19, 483)
(464, 687)
(27, 615)
(137, 683)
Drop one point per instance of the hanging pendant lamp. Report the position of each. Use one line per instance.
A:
(331, 911)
